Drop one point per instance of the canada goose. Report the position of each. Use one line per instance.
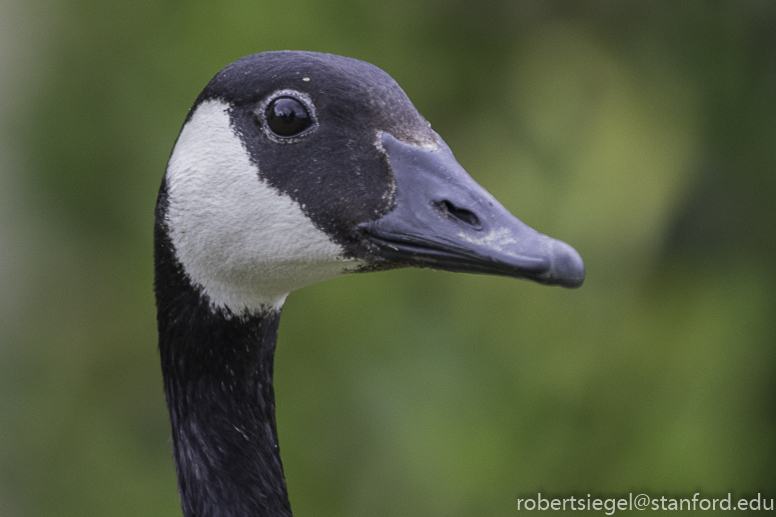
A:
(292, 168)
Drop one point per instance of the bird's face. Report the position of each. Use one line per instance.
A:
(297, 167)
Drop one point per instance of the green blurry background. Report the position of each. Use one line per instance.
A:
(643, 133)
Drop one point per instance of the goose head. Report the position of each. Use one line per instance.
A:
(297, 167)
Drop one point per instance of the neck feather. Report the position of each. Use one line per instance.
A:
(217, 372)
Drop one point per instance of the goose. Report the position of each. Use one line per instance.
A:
(293, 168)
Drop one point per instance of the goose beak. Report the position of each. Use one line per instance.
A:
(442, 219)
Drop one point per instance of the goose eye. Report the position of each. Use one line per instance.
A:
(287, 117)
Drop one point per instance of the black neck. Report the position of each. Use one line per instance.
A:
(218, 382)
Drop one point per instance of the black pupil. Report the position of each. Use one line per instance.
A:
(287, 117)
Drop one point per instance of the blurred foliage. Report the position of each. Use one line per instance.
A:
(643, 133)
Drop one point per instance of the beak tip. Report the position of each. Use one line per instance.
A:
(568, 269)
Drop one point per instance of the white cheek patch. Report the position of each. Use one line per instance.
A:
(245, 243)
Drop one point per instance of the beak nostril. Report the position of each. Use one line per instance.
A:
(466, 216)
